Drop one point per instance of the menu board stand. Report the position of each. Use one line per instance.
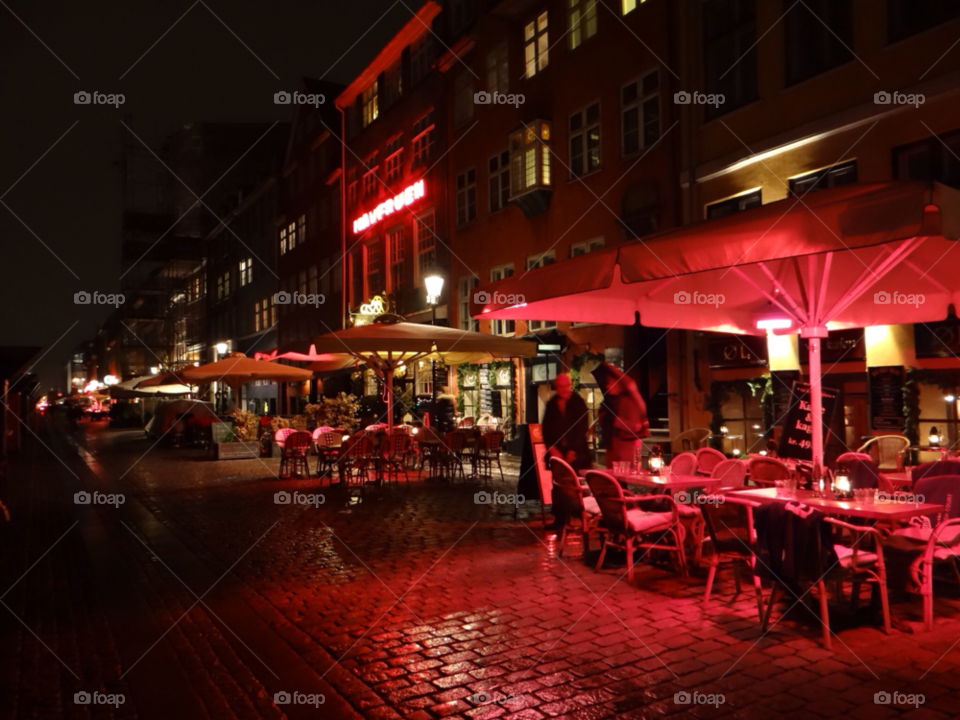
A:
(796, 440)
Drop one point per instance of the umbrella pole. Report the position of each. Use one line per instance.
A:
(388, 381)
(816, 401)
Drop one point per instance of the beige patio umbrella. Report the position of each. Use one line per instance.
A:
(237, 369)
(389, 342)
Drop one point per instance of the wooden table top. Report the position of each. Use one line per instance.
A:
(669, 482)
(849, 508)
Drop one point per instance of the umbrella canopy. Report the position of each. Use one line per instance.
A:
(137, 387)
(388, 342)
(163, 379)
(846, 257)
(237, 369)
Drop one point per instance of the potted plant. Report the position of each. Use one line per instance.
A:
(240, 441)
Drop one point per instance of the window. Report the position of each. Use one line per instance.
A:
(256, 317)
(423, 138)
(352, 187)
(246, 271)
(585, 141)
(291, 236)
(421, 56)
(835, 176)
(930, 159)
(461, 15)
(736, 204)
(536, 45)
(730, 57)
(425, 239)
(370, 108)
(628, 6)
(397, 249)
(312, 280)
(265, 319)
(283, 241)
(463, 98)
(393, 85)
(223, 286)
(640, 113)
(583, 248)
(394, 161)
(424, 376)
(909, 17)
(273, 312)
(466, 197)
(502, 327)
(302, 228)
(818, 37)
(220, 287)
(498, 80)
(467, 286)
(499, 172)
(542, 260)
(582, 21)
(529, 159)
(370, 176)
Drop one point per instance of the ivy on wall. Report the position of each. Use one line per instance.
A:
(494, 366)
(577, 363)
(945, 380)
(723, 390)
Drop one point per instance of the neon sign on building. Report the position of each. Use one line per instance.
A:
(410, 195)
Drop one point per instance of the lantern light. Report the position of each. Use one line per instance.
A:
(724, 430)
(655, 461)
(736, 452)
(950, 398)
(154, 370)
(842, 483)
(222, 348)
(934, 437)
(434, 284)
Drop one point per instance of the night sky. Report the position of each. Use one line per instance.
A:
(197, 71)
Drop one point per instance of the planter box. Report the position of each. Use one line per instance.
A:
(236, 451)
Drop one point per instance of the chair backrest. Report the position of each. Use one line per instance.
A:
(401, 430)
(684, 464)
(330, 439)
(763, 468)
(943, 490)
(566, 483)
(297, 441)
(935, 468)
(282, 434)
(690, 440)
(733, 474)
(863, 473)
(844, 457)
(730, 525)
(455, 441)
(707, 459)
(466, 422)
(320, 432)
(493, 441)
(885, 447)
(398, 445)
(376, 427)
(609, 496)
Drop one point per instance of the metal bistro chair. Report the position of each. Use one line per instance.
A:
(629, 528)
(733, 474)
(580, 505)
(451, 454)
(734, 541)
(328, 452)
(293, 457)
(488, 451)
(707, 459)
(356, 459)
(395, 450)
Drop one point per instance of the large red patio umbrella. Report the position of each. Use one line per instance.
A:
(237, 369)
(846, 257)
(388, 342)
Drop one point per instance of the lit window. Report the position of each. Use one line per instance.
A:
(425, 240)
(283, 241)
(370, 108)
(629, 6)
(499, 172)
(273, 312)
(291, 236)
(466, 197)
(256, 317)
(536, 45)
(467, 286)
(498, 80)
(530, 158)
(582, 21)
(463, 98)
(265, 306)
(585, 141)
(502, 327)
(246, 271)
(397, 248)
(423, 138)
(302, 228)
(640, 113)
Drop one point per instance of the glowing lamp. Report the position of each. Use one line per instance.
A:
(110, 380)
(736, 452)
(655, 461)
(345, 438)
(950, 398)
(222, 348)
(434, 284)
(724, 430)
(763, 452)
(415, 431)
(154, 370)
(841, 483)
(774, 322)
(934, 437)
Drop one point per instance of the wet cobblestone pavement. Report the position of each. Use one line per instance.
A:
(402, 601)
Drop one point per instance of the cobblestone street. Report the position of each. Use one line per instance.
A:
(200, 596)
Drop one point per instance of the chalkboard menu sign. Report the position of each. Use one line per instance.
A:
(496, 403)
(439, 376)
(796, 440)
(486, 401)
(937, 339)
(886, 398)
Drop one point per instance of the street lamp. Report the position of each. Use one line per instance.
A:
(222, 348)
(154, 370)
(434, 284)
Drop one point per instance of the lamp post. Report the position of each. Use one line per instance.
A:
(221, 400)
(434, 285)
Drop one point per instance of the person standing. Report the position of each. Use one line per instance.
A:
(445, 411)
(565, 425)
(623, 415)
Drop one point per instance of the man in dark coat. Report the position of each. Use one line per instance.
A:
(565, 425)
(445, 411)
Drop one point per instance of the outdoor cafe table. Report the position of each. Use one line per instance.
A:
(665, 483)
(845, 508)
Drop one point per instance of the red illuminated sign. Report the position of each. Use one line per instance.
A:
(388, 207)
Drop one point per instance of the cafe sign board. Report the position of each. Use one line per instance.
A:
(733, 351)
(796, 439)
(886, 398)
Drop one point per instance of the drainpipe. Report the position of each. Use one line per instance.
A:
(343, 217)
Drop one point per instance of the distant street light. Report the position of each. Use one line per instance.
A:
(434, 284)
(222, 348)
